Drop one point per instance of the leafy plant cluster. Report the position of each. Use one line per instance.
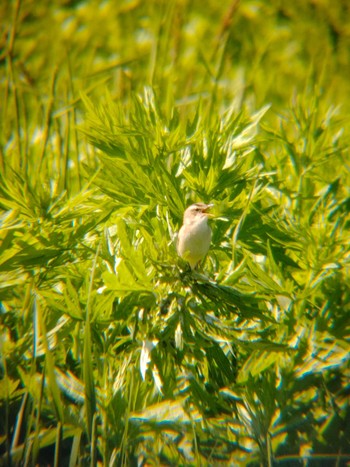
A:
(112, 351)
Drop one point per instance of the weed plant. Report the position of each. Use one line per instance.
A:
(115, 117)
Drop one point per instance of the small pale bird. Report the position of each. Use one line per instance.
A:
(194, 237)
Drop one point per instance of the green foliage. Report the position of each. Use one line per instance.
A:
(116, 116)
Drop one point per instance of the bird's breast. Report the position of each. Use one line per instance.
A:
(195, 239)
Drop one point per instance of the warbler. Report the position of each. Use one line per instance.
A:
(194, 236)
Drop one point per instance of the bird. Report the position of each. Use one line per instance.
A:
(194, 236)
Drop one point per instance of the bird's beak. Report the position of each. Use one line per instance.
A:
(209, 214)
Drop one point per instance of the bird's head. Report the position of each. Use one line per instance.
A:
(197, 211)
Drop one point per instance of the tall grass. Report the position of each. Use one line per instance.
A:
(115, 117)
